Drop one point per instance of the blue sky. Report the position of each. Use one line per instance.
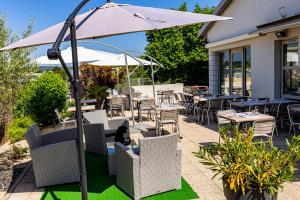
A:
(49, 12)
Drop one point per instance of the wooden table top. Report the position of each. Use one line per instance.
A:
(83, 108)
(117, 96)
(173, 107)
(142, 98)
(246, 117)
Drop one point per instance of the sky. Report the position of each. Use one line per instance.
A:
(45, 13)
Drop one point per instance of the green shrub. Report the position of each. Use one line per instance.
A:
(17, 128)
(17, 152)
(41, 97)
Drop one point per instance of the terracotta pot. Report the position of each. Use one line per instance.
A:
(252, 194)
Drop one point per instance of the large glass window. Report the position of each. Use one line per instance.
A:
(235, 71)
(291, 68)
(248, 70)
(225, 72)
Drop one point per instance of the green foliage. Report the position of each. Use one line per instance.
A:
(61, 72)
(245, 164)
(16, 70)
(95, 80)
(17, 152)
(41, 97)
(17, 127)
(181, 51)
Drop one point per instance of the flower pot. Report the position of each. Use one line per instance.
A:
(252, 194)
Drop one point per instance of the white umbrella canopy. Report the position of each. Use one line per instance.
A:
(115, 19)
(85, 55)
(119, 60)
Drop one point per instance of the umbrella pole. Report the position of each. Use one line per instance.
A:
(77, 88)
(152, 76)
(129, 89)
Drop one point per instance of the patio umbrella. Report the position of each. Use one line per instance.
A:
(107, 20)
(85, 55)
(119, 60)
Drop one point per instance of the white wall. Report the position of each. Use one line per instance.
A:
(148, 89)
(248, 14)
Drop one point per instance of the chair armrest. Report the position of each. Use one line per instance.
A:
(55, 163)
(114, 124)
(127, 170)
(60, 136)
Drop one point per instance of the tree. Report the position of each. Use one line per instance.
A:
(181, 51)
(95, 81)
(15, 71)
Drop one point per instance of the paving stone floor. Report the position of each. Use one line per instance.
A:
(198, 175)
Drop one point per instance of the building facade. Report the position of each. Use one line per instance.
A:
(257, 53)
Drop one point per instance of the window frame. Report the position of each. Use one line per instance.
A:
(244, 70)
(283, 67)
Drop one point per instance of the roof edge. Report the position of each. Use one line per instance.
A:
(222, 6)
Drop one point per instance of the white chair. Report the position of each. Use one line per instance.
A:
(145, 107)
(116, 103)
(264, 129)
(222, 122)
(168, 117)
(155, 169)
(64, 121)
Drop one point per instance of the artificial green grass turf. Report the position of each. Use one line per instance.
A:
(102, 187)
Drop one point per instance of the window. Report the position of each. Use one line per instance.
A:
(235, 71)
(291, 68)
(225, 72)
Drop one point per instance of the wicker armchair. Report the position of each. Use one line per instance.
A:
(95, 139)
(110, 125)
(54, 156)
(155, 169)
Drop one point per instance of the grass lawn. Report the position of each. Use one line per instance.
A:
(102, 187)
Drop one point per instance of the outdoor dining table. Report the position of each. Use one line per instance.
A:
(83, 108)
(167, 107)
(246, 117)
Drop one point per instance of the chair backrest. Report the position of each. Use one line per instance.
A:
(224, 112)
(33, 137)
(58, 115)
(97, 117)
(116, 100)
(95, 138)
(176, 96)
(293, 115)
(215, 104)
(182, 97)
(136, 95)
(158, 161)
(168, 115)
(147, 103)
(264, 128)
(168, 93)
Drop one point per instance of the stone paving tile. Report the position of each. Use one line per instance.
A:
(198, 175)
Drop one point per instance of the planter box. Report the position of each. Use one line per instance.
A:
(249, 195)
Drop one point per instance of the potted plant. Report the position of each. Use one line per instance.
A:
(250, 169)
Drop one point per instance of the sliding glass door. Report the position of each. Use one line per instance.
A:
(235, 71)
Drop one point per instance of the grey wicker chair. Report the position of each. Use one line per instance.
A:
(95, 139)
(110, 125)
(54, 156)
(156, 168)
